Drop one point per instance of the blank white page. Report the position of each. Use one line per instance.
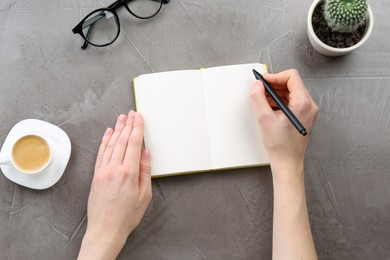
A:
(232, 126)
(172, 105)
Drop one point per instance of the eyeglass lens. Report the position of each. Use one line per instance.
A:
(144, 8)
(104, 25)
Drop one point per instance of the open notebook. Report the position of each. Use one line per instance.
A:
(200, 120)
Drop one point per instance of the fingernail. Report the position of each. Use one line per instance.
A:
(121, 119)
(146, 154)
(108, 131)
(137, 117)
(131, 114)
(255, 87)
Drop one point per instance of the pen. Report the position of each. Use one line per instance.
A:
(293, 119)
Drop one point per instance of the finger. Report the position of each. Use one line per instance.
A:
(273, 104)
(289, 79)
(278, 79)
(259, 101)
(299, 96)
(134, 145)
(102, 148)
(120, 124)
(281, 93)
(145, 179)
(121, 145)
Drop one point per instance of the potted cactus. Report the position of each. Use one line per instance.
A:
(337, 27)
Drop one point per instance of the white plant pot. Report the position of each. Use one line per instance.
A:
(331, 51)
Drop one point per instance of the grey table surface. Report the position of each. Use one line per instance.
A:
(222, 215)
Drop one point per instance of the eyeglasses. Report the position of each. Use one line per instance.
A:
(105, 21)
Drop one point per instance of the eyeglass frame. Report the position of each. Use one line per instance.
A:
(78, 29)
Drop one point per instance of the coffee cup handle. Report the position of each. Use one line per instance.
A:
(5, 159)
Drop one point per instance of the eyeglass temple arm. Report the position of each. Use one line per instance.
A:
(89, 23)
(85, 44)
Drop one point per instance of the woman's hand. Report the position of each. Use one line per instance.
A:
(292, 238)
(121, 189)
(282, 141)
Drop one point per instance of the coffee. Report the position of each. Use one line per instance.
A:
(31, 153)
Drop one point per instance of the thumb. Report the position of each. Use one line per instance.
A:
(145, 172)
(260, 105)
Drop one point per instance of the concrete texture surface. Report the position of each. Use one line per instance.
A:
(222, 215)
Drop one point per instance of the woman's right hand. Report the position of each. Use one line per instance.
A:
(284, 144)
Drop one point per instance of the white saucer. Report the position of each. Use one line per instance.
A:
(59, 143)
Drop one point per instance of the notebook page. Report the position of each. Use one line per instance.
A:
(233, 131)
(175, 125)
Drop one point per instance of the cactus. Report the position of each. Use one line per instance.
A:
(345, 15)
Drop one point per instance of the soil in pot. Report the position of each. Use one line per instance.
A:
(334, 39)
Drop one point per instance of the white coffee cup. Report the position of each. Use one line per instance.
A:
(31, 154)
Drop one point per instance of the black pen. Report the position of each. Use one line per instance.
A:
(293, 119)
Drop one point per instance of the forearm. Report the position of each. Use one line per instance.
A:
(292, 238)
